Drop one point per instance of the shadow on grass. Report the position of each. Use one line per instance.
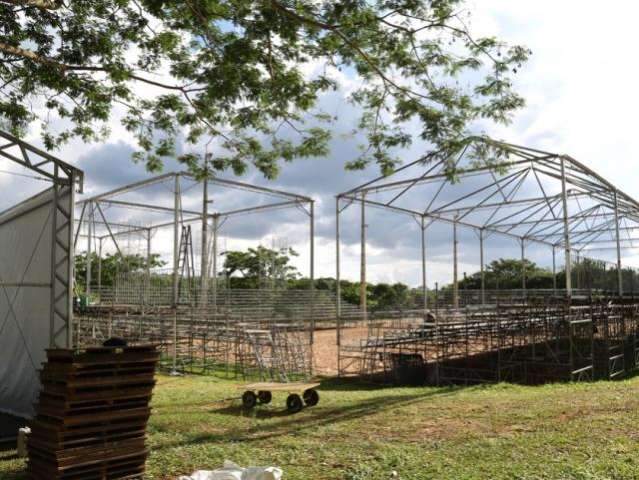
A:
(309, 420)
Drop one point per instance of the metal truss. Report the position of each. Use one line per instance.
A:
(40, 162)
(529, 195)
(66, 181)
(101, 228)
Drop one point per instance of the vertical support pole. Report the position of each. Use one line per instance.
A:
(523, 266)
(216, 226)
(424, 287)
(618, 239)
(71, 253)
(554, 270)
(362, 280)
(312, 270)
(482, 268)
(54, 247)
(176, 240)
(89, 251)
(148, 267)
(312, 286)
(455, 268)
(204, 267)
(564, 201)
(175, 341)
(100, 270)
(338, 288)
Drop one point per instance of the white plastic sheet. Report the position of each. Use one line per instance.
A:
(232, 471)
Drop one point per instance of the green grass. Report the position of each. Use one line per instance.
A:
(562, 431)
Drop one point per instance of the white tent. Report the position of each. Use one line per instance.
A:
(36, 261)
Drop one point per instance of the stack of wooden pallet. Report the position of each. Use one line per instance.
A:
(92, 415)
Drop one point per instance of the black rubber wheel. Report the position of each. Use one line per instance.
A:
(294, 403)
(311, 397)
(249, 400)
(264, 397)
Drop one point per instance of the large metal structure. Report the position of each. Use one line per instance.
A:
(532, 197)
(528, 195)
(101, 228)
(36, 237)
(200, 328)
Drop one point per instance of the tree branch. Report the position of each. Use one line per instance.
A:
(43, 4)
(300, 18)
(30, 55)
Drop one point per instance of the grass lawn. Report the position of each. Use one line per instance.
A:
(563, 431)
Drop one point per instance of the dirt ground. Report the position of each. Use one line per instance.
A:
(325, 347)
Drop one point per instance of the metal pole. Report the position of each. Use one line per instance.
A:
(88, 259)
(523, 265)
(204, 268)
(554, 270)
(619, 272)
(424, 288)
(312, 271)
(362, 281)
(338, 289)
(54, 248)
(312, 286)
(455, 277)
(148, 266)
(216, 226)
(176, 239)
(71, 266)
(564, 200)
(482, 270)
(100, 271)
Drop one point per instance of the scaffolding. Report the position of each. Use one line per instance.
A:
(534, 198)
(190, 310)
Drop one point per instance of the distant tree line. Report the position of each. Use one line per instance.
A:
(266, 268)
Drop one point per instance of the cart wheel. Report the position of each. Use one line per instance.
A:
(294, 403)
(264, 397)
(311, 397)
(249, 400)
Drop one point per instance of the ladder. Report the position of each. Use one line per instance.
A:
(186, 263)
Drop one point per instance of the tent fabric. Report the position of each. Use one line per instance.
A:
(25, 299)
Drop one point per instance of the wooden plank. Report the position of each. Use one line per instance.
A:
(278, 387)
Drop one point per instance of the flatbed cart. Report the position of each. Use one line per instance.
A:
(300, 394)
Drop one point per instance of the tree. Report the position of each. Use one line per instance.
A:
(258, 265)
(246, 75)
(506, 274)
(388, 297)
(111, 266)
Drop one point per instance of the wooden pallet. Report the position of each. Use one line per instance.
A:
(92, 414)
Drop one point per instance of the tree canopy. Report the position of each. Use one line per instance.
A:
(507, 274)
(245, 76)
(111, 266)
(259, 265)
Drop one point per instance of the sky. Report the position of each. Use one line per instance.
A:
(580, 88)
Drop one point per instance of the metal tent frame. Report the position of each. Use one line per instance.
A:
(66, 180)
(565, 205)
(211, 221)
